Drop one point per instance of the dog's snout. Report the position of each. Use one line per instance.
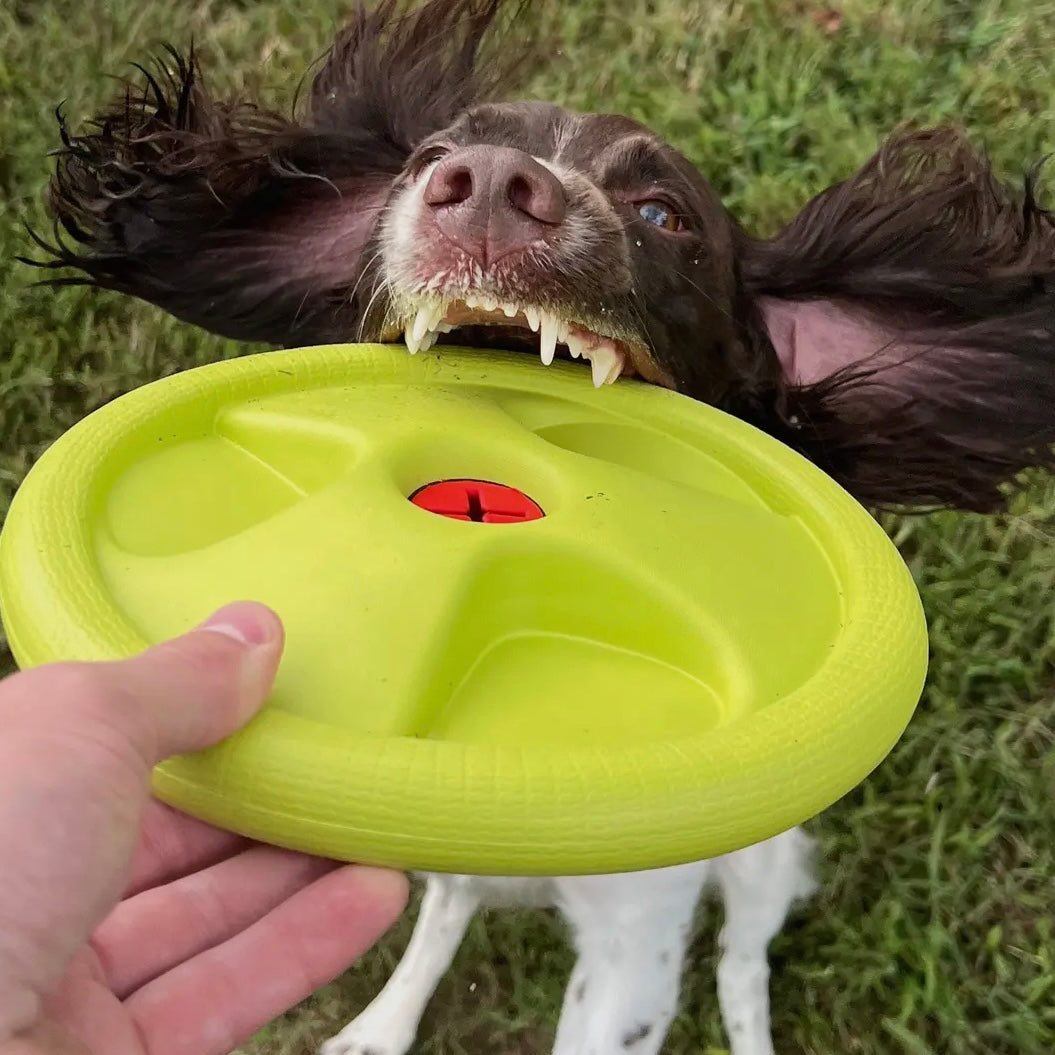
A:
(498, 177)
(492, 201)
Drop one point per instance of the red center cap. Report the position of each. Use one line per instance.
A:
(478, 501)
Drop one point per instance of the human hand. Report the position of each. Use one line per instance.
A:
(127, 928)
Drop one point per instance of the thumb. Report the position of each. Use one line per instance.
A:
(101, 727)
(192, 691)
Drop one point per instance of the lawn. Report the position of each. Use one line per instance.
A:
(934, 930)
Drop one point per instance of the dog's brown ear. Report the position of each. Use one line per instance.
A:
(913, 310)
(245, 222)
(411, 72)
(223, 214)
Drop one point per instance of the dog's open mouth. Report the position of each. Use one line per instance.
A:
(487, 322)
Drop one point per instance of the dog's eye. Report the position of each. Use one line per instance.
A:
(659, 214)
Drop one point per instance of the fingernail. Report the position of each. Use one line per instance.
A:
(246, 622)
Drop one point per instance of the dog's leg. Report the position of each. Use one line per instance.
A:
(389, 1024)
(759, 886)
(631, 932)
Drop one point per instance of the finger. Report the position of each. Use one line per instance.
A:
(179, 696)
(188, 693)
(152, 932)
(237, 987)
(171, 845)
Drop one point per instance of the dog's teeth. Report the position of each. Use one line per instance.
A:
(617, 369)
(599, 368)
(604, 360)
(577, 345)
(562, 331)
(509, 310)
(423, 322)
(471, 301)
(420, 334)
(489, 303)
(548, 338)
(532, 316)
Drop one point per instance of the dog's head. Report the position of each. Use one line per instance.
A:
(526, 226)
(900, 331)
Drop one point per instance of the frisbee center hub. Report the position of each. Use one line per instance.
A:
(477, 501)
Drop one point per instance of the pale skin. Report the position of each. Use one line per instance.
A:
(127, 928)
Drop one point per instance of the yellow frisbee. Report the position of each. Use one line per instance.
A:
(533, 627)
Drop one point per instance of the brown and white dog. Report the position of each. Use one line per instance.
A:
(899, 331)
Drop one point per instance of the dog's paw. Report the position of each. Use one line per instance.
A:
(364, 1037)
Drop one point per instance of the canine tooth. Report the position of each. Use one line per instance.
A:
(423, 322)
(411, 341)
(532, 316)
(617, 370)
(548, 338)
(509, 310)
(603, 360)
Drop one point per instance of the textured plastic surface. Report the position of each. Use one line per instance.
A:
(703, 642)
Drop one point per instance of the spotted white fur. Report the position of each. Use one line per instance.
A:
(631, 932)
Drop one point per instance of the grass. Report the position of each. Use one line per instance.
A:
(934, 931)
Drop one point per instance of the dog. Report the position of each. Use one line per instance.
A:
(899, 332)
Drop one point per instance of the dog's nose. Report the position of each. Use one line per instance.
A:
(492, 201)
